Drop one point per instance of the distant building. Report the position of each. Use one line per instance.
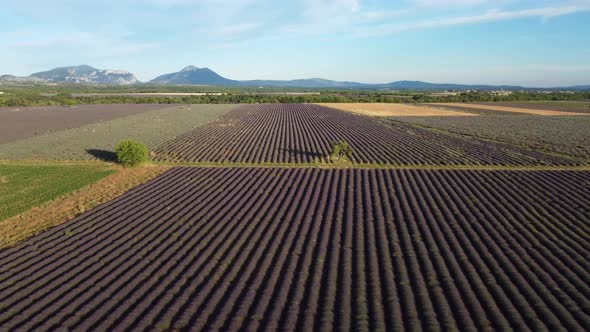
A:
(445, 94)
(501, 92)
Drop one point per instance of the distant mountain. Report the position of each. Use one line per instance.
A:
(205, 76)
(302, 83)
(18, 79)
(417, 85)
(194, 75)
(87, 74)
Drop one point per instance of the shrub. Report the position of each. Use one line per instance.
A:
(130, 153)
(341, 149)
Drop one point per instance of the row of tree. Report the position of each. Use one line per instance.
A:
(28, 98)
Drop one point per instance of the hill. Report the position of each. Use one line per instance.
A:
(86, 74)
(205, 76)
(194, 75)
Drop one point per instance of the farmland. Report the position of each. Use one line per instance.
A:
(248, 248)
(291, 133)
(67, 206)
(97, 140)
(503, 108)
(565, 106)
(22, 187)
(22, 122)
(555, 134)
(377, 109)
(441, 219)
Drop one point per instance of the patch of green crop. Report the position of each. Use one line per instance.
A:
(25, 186)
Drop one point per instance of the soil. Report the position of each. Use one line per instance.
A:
(383, 109)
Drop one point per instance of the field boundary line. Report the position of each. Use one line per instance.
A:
(64, 208)
(373, 166)
(172, 164)
(41, 162)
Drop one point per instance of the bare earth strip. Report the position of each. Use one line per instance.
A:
(509, 109)
(384, 109)
(58, 211)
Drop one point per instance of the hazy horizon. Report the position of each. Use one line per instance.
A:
(505, 42)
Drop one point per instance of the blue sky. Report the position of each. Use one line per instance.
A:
(532, 43)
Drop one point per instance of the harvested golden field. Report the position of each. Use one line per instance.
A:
(386, 109)
(509, 109)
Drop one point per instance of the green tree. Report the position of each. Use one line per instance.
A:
(131, 153)
(341, 149)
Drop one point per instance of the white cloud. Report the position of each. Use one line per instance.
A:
(490, 16)
(327, 8)
(83, 43)
(380, 15)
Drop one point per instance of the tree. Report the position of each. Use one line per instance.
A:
(341, 149)
(130, 153)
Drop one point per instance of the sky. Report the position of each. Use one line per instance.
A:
(531, 43)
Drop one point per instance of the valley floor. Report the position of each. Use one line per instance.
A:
(245, 222)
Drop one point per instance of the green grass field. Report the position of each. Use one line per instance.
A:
(25, 186)
(98, 140)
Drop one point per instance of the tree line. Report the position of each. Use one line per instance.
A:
(30, 98)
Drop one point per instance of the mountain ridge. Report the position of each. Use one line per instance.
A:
(198, 76)
(192, 75)
(86, 74)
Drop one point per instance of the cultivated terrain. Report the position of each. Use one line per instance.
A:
(454, 217)
(233, 248)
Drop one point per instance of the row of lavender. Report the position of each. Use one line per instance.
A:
(233, 248)
(305, 134)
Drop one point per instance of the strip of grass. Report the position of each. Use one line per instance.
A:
(25, 186)
(68, 206)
